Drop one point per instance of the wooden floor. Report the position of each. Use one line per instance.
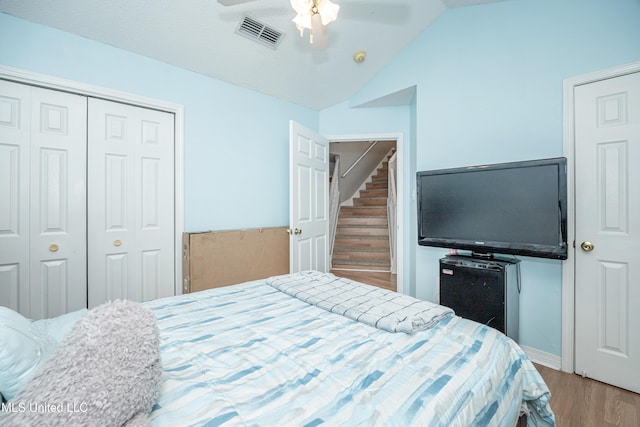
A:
(375, 278)
(582, 402)
(575, 401)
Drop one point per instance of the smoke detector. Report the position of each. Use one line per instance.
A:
(359, 56)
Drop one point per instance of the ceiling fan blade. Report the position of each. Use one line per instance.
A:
(233, 2)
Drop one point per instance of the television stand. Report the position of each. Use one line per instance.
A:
(483, 290)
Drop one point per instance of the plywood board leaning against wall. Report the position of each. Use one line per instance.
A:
(214, 259)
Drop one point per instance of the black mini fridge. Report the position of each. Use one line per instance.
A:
(484, 290)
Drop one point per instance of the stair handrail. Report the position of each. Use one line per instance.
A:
(353, 165)
(334, 205)
(392, 202)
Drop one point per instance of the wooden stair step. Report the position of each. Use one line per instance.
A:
(370, 201)
(377, 185)
(353, 230)
(361, 242)
(345, 235)
(355, 265)
(362, 220)
(346, 211)
(371, 249)
(378, 192)
(380, 258)
(350, 252)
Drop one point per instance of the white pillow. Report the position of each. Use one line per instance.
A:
(23, 346)
(58, 327)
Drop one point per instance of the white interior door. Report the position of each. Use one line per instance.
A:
(42, 201)
(308, 200)
(607, 264)
(15, 140)
(131, 203)
(58, 203)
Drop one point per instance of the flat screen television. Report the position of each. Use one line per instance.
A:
(517, 208)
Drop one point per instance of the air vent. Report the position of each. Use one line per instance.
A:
(259, 32)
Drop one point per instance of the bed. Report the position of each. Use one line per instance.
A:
(263, 353)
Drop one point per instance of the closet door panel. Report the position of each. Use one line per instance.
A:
(53, 289)
(130, 202)
(15, 128)
(116, 197)
(154, 186)
(110, 217)
(10, 285)
(58, 203)
(117, 272)
(150, 274)
(10, 184)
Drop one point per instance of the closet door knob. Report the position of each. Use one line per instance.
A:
(54, 248)
(117, 243)
(587, 246)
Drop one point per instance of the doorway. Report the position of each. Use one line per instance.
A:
(364, 142)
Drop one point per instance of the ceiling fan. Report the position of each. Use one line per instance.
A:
(313, 15)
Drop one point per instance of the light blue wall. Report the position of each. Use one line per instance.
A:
(236, 140)
(489, 89)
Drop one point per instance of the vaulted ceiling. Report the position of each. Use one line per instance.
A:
(200, 35)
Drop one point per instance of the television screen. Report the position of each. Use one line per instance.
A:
(516, 208)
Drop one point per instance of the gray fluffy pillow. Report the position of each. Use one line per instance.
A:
(106, 372)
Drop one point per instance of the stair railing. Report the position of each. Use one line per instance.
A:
(334, 205)
(391, 211)
(373, 144)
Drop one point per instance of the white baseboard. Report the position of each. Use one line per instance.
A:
(543, 358)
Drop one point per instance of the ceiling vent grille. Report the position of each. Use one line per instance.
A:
(259, 32)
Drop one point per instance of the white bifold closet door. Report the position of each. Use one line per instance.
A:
(130, 203)
(42, 200)
(86, 201)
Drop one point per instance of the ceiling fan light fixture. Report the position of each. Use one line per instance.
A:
(314, 15)
(328, 11)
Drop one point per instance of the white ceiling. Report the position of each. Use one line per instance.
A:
(199, 35)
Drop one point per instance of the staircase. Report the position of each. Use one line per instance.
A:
(362, 234)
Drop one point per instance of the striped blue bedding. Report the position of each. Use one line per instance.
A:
(251, 355)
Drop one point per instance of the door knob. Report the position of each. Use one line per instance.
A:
(295, 231)
(117, 243)
(587, 246)
(54, 248)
